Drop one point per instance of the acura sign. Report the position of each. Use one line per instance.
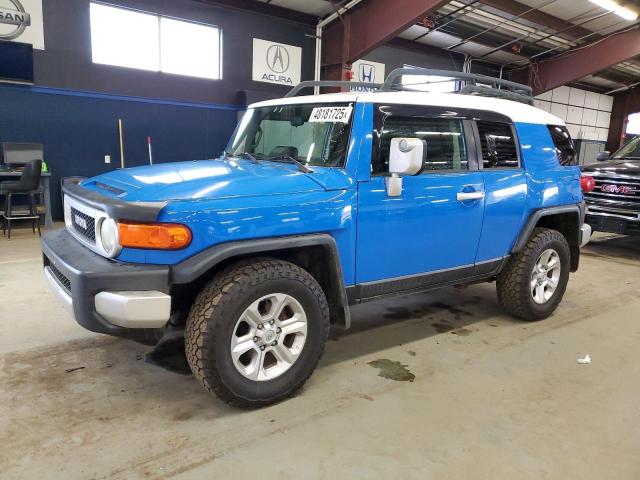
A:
(21, 21)
(276, 62)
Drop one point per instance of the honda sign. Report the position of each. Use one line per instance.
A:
(368, 72)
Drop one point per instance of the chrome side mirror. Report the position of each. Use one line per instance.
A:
(406, 157)
(603, 156)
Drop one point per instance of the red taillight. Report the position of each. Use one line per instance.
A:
(587, 183)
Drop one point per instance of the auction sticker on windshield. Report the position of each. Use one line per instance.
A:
(330, 114)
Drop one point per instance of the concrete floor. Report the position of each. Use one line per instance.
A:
(492, 397)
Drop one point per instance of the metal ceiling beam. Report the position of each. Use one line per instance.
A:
(265, 9)
(367, 26)
(466, 9)
(582, 61)
(498, 25)
(537, 16)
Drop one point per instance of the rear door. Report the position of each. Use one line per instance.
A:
(505, 185)
(431, 231)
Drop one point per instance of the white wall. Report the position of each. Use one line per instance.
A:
(587, 114)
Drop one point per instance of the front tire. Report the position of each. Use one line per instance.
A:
(534, 280)
(257, 331)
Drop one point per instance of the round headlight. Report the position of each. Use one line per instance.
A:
(109, 236)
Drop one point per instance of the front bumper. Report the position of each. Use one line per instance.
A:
(613, 224)
(103, 295)
(585, 234)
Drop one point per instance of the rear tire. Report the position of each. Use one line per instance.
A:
(257, 331)
(534, 280)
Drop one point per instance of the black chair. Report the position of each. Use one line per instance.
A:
(28, 184)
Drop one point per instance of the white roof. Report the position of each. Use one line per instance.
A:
(516, 111)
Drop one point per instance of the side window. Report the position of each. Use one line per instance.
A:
(446, 149)
(564, 145)
(498, 145)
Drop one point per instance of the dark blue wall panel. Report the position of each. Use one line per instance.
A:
(77, 131)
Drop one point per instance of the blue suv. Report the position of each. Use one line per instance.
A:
(318, 203)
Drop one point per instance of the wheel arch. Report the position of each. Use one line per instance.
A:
(566, 219)
(316, 253)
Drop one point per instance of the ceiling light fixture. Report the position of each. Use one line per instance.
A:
(619, 10)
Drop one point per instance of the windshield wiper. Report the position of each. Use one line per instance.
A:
(247, 155)
(277, 158)
(289, 159)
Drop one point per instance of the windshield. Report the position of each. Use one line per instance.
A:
(630, 151)
(313, 134)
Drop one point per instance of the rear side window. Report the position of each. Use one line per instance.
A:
(498, 145)
(564, 145)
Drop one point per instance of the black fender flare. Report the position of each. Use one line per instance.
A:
(574, 238)
(201, 263)
(535, 217)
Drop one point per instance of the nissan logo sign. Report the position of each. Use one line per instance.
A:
(12, 13)
(277, 59)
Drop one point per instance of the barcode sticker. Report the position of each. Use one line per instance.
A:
(331, 114)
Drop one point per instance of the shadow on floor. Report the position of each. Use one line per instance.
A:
(614, 246)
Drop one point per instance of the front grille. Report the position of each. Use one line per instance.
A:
(84, 224)
(613, 189)
(61, 277)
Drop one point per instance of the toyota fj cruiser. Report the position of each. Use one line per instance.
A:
(318, 203)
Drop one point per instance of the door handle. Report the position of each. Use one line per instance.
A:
(466, 196)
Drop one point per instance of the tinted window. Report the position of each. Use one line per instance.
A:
(498, 145)
(564, 145)
(446, 149)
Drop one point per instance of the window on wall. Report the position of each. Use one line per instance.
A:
(498, 145)
(132, 39)
(446, 149)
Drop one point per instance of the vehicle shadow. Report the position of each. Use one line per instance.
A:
(382, 324)
(386, 323)
(613, 246)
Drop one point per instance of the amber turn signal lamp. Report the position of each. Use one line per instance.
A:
(157, 236)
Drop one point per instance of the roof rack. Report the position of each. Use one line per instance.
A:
(476, 84)
(330, 83)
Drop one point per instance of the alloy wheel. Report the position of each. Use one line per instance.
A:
(269, 337)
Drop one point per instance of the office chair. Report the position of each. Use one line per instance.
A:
(28, 184)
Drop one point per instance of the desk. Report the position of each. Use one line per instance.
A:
(46, 187)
